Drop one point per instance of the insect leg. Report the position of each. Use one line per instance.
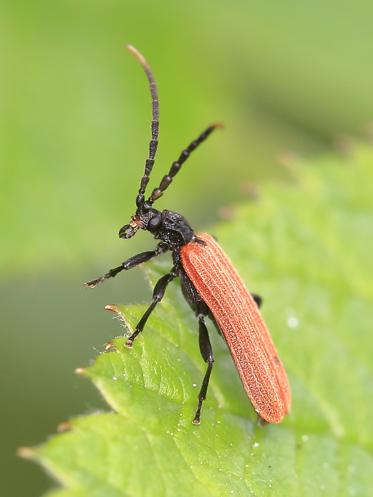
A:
(261, 422)
(128, 264)
(258, 299)
(207, 354)
(158, 294)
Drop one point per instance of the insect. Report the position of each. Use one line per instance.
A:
(209, 282)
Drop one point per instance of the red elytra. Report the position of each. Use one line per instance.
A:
(240, 322)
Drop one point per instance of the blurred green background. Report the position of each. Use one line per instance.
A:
(285, 77)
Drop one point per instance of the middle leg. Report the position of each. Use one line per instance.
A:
(207, 354)
(158, 294)
(201, 310)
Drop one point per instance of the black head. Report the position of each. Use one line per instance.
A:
(165, 225)
(146, 218)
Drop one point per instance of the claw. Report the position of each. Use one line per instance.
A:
(94, 283)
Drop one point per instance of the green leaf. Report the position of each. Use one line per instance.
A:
(306, 248)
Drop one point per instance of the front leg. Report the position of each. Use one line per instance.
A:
(128, 264)
(158, 294)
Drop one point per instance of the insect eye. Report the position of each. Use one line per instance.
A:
(155, 221)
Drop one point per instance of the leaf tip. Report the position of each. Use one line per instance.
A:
(79, 371)
(250, 190)
(64, 426)
(288, 160)
(345, 145)
(115, 309)
(112, 308)
(25, 452)
(110, 346)
(226, 213)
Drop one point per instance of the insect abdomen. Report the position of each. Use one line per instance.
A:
(238, 317)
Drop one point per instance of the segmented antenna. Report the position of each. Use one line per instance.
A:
(149, 163)
(176, 166)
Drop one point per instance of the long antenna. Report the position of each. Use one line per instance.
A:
(176, 166)
(149, 163)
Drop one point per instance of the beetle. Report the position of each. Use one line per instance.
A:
(209, 282)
